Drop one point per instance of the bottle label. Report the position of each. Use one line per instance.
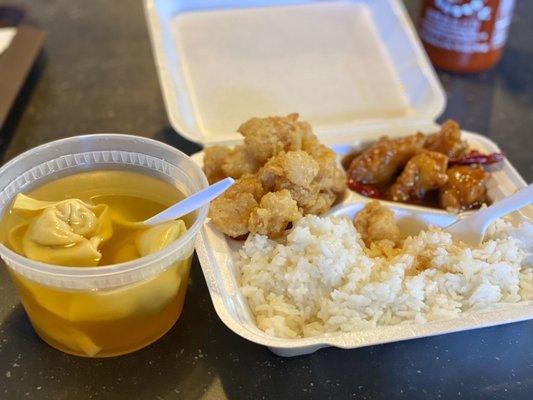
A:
(471, 26)
(501, 26)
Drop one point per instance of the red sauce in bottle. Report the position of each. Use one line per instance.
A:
(465, 35)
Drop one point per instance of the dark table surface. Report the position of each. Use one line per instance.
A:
(97, 75)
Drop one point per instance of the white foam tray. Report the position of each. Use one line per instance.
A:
(217, 254)
(363, 75)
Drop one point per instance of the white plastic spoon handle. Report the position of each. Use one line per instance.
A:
(505, 206)
(191, 203)
(478, 222)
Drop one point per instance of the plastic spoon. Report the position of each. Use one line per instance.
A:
(183, 207)
(471, 229)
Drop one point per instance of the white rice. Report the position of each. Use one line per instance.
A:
(322, 279)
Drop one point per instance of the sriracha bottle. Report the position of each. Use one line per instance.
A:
(465, 35)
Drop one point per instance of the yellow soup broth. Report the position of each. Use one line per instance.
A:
(112, 321)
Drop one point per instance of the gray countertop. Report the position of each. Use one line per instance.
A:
(97, 74)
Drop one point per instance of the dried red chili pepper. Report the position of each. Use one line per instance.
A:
(364, 189)
(475, 157)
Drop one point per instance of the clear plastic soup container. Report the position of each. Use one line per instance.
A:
(109, 310)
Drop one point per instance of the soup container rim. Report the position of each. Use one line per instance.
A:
(111, 269)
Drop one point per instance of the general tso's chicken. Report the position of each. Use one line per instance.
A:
(214, 157)
(231, 211)
(276, 210)
(380, 163)
(448, 140)
(239, 162)
(348, 158)
(425, 171)
(465, 188)
(266, 137)
(375, 223)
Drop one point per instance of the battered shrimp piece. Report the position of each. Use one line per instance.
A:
(318, 202)
(330, 176)
(214, 157)
(448, 140)
(375, 223)
(465, 188)
(239, 162)
(295, 171)
(425, 171)
(231, 211)
(221, 162)
(266, 137)
(379, 164)
(276, 210)
(287, 169)
(298, 172)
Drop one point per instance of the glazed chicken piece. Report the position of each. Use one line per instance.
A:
(266, 137)
(375, 223)
(447, 141)
(465, 188)
(275, 212)
(231, 211)
(425, 171)
(380, 163)
(348, 158)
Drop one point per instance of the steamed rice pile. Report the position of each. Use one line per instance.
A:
(321, 278)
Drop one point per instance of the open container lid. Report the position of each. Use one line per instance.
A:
(345, 65)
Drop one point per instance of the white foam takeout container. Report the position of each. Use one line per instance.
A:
(354, 69)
